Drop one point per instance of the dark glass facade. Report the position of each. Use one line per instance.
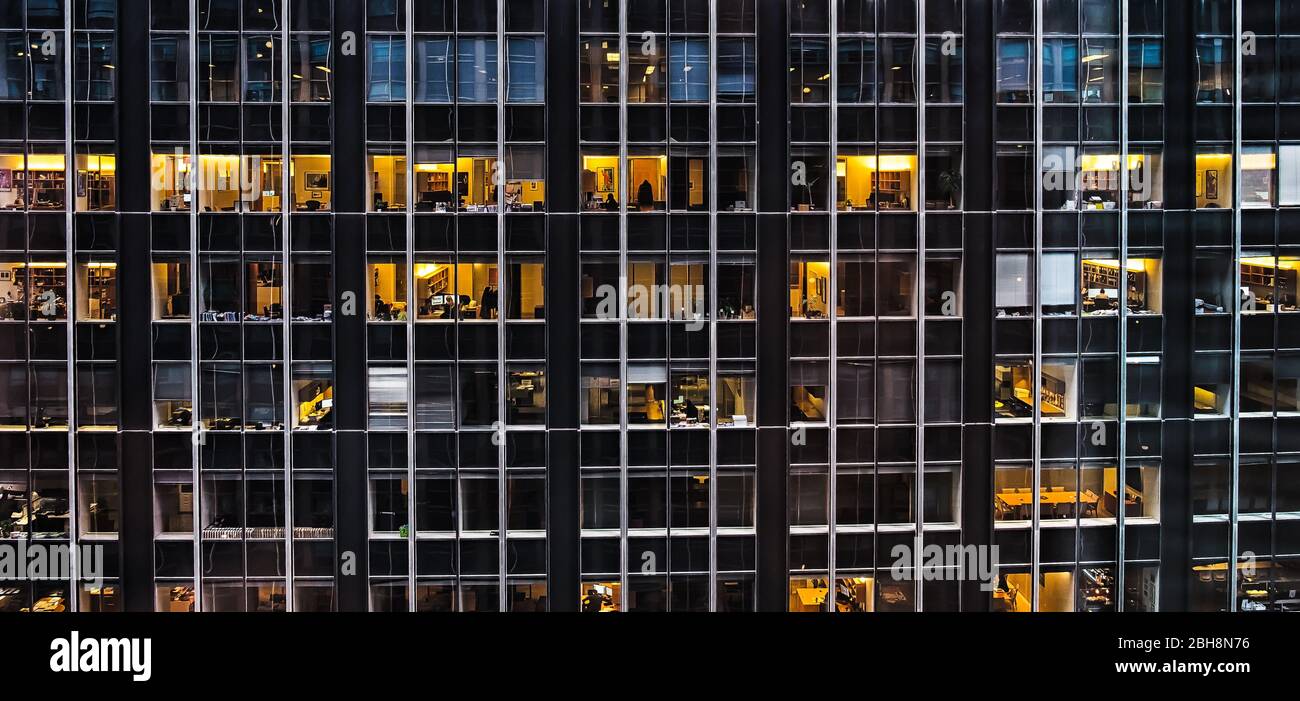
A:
(652, 305)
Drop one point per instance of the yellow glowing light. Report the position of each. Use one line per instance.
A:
(612, 57)
(424, 271)
(45, 161)
(894, 163)
(1134, 265)
(1270, 262)
(1258, 161)
(100, 164)
(1213, 159)
(1109, 161)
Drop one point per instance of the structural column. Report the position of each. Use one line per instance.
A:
(563, 529)
(135, 306)
(349, 168)
(773, 306)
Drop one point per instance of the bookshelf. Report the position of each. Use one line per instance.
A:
(98, 191)
(45, 189)
(891, 187)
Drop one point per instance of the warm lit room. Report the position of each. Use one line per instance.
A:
(810, 289)
(446, 291)
(690, 399)
(96, 291)
(474, 180)
(525, 179)
(387, 182)
(1013, 390)
(870, 182)
(233, 183)
(1101, 286)
(38, 181)
(387, 300)
(435, 173)
(1272, 282)
(601, 185)
(96, 182)
(35, 291)
(312, 185)
(172, 181)
(736, 395)
(1213, 180)
(646, 178)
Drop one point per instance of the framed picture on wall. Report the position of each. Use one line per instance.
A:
(1212, 184)
(605, 180)
(6, 179)
(316, 181)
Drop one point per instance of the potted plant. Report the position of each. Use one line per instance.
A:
(950, 185)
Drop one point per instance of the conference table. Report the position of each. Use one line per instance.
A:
(1011, 501)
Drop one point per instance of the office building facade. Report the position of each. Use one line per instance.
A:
(651, 305)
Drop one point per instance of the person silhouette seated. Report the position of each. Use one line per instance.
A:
(592, 602)
(326, 421)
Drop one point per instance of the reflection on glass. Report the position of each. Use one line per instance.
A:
(809, 286)
(96, 290)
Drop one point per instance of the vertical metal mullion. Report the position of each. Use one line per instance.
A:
(918, 307)
(69, 204)
(413, 582)
(194, 185)
(503, 293)
(621, 185)
(1235, 511)
(286, 377)
(458, 596)
(1121, 477)
(832, 390)
(1036, 371)
(712, 299)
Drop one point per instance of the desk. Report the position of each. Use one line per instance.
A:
(1008, 502)
(50, 604)
(1014, 499)
(812, 596)
(1132, 502)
